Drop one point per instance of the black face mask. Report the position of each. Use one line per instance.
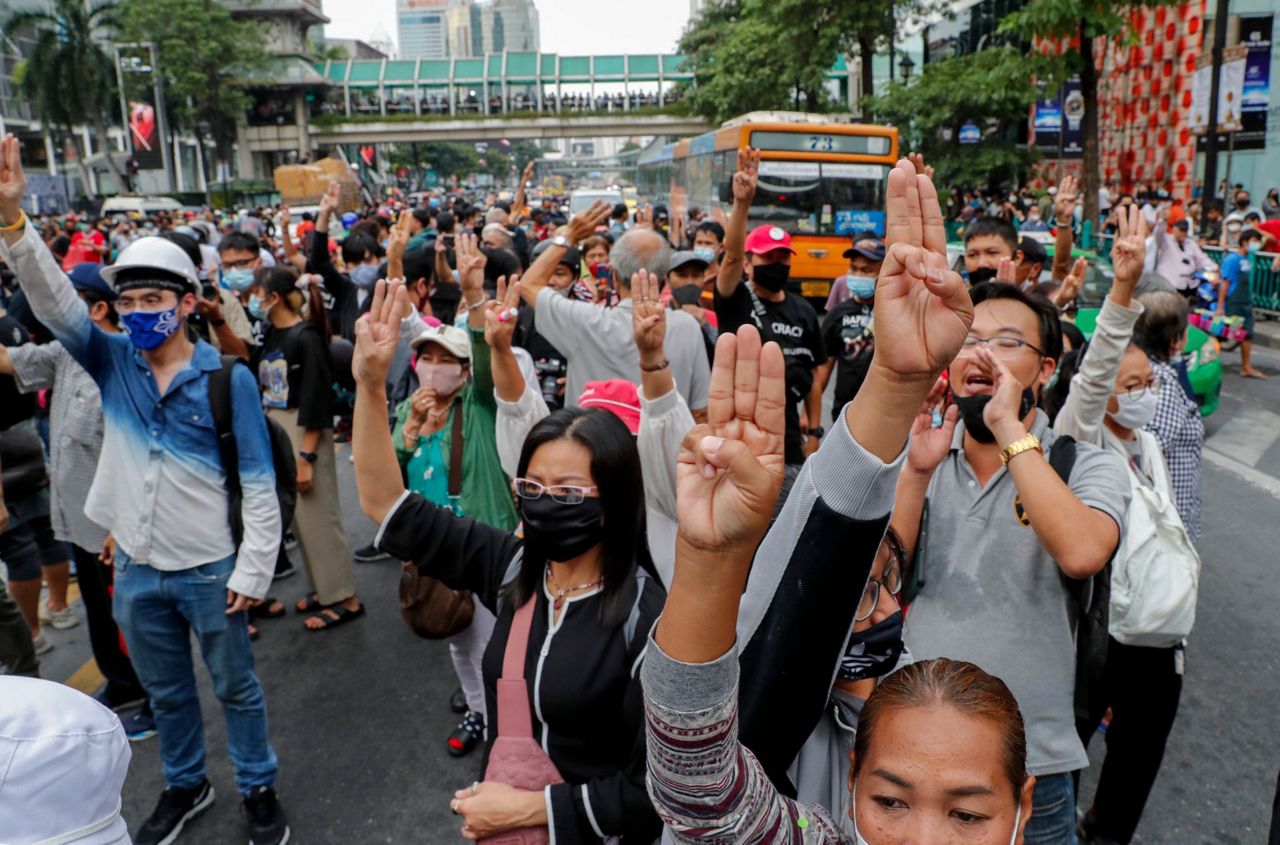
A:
(553, 531)
(982, 274)
(971, 408)
(771, 277)
(687, 295)
(1242, 203)
(872, 653)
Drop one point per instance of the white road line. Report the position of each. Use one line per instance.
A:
(1268, 483)
(1248, 435)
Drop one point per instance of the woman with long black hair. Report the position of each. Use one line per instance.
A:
(582, 569)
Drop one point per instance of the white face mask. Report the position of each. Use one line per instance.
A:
(1135, 411)
(857, 837)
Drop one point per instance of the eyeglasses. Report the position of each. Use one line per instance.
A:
(1001, 344)
(890, 579)
(1140, 390)
(146, 302)
(565, 494)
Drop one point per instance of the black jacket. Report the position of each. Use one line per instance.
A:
(347, 307)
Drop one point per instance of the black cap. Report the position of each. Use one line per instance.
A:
(1033, 251)
(571, 258)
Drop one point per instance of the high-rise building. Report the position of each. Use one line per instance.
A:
(422, 28)
(505, 25)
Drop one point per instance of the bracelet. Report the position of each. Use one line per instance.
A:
(659, 368)
(1017, 447)
(13, 227)
(217, 324)
(482, 303)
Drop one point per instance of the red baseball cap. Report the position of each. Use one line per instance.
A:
(617, 396)
(767, 238)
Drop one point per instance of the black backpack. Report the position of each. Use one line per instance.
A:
(282, 458)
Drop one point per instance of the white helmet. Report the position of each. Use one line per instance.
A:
(154, 253)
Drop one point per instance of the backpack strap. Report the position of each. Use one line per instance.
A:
(633, 616)
(514, 719)
(220, 406)
(1062, 457)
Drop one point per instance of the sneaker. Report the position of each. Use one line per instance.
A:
(176, 807)
(285, 572)
(467, 735)
(139, 726)
(267, 824)
(103, 699)
(290, 541)
(60, 619)
(369, 554)
(42, 644)
(458, 701)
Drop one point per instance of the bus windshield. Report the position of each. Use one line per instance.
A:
(820, 198)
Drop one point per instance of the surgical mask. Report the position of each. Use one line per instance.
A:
(857, 837)
(149, 329)
(1254, 246)
(83, 227)
(559, 532)
(971, 408)
(687, 294)
(255, 309)
(239, 280)
(444, 379)
(981, 275)
(872, 653)
(863, 287)
(1135, 411)
(771, 277)
(364, 275)
(706, 253)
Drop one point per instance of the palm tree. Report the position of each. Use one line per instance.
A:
(67, 75)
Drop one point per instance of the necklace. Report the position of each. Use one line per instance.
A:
(561, 592)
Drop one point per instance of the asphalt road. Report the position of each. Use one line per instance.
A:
(359, 715)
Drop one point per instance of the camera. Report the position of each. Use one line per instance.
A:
(550, 371)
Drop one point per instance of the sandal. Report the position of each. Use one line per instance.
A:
(309, 605)
(253, 633)
(341, 616)
(269, 609)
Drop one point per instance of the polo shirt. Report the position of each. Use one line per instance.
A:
(996, 598)
(599, 344)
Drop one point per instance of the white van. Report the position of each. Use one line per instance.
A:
(139, 207)
(580, 201)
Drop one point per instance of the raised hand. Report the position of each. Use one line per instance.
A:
(399, 236)
(500, 316)
(648, 317)
(1064, 202)
(730, 468)
(747, 175)
(644, 216)
(929, 445)
(332, 196)
(917, 160)
(1128, 252)
(1003, 414)
(13, 182)
(1005, 271)
(285, 217)
(1071, 285)
(923, 311)
(583, 225)
(378, 335)
(527, 175)
(471, 261)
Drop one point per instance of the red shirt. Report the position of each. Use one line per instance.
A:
(1272, 228)
(82, 249)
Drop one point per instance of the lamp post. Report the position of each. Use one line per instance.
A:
(906, 66)
(203, 128)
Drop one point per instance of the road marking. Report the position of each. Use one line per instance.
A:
(88, 678)
(1268, 483)
(1248, 435)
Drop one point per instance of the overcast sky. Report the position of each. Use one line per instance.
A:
(569, 27)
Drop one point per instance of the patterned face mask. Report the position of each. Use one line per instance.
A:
(149, 329)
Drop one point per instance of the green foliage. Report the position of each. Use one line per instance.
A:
(67, 76)
(988, 88)
(205, 56)
(523, 152)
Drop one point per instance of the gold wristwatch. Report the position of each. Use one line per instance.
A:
(1017, 447)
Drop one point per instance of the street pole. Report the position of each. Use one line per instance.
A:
(162, 120)
(1211, 139)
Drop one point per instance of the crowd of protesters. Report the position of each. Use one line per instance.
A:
(679, 606)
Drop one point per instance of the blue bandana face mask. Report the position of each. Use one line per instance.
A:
(239, 280)
(365, 275)
(149, 329)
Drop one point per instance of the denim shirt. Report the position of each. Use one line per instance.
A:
(160, 487)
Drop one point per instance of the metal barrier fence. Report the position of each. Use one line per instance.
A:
(1264, 283)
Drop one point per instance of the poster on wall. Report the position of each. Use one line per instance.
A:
(1057, 121)
(1201, 92)
(1255, 98)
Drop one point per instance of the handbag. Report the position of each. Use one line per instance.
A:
(516, 759)
(430, 608)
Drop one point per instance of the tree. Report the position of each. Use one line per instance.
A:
(523, 152)
(207, 59)
(988, 88)
(68, 77)
(1081, 21)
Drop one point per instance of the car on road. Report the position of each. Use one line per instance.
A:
(580, 201)
(138, 207)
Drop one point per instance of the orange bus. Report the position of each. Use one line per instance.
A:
(821, 181)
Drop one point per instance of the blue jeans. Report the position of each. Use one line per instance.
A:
(1053, 811)
(157, 611)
